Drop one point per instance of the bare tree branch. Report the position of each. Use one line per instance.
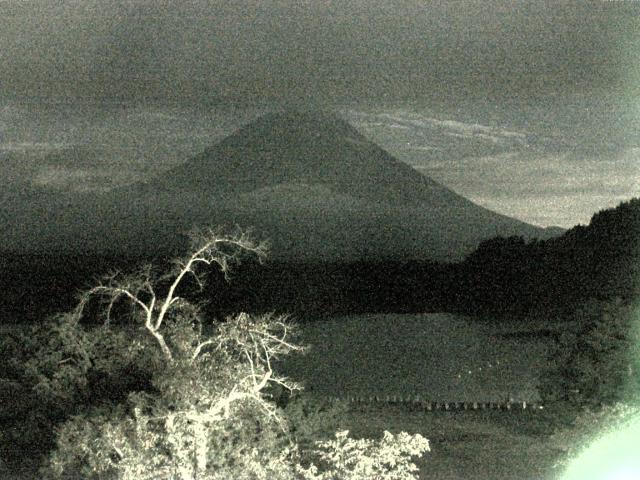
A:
(200, 346)
(209, 248)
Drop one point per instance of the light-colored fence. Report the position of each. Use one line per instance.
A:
(419, 403)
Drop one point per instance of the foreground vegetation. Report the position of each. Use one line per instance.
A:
(520, 444)
(137, 380)
(165, 395)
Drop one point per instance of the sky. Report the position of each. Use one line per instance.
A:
(320, 50)
(529, 108)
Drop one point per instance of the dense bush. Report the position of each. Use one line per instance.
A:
(597, 359)
(58, 369)
(344, 458)
(205, 422)
(511, 277)
(206, 417)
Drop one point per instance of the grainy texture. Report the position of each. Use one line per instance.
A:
(438, 357)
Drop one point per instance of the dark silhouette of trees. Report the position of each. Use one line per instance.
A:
(595, 359)
(503, 277)
(508, 276)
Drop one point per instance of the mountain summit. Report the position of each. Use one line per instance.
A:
(307, 181)
(306, 147)
(312, 177)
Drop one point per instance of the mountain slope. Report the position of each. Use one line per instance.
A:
(306, 147)
(290, 156)
(308, 181)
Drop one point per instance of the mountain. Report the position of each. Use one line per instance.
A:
(306, 148)
(307, 181)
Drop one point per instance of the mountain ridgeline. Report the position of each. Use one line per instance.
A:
(505, 277)
(308, 182)
(319, 190)
(307, 148)
(600, 261)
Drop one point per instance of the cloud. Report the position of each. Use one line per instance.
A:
(30, 146)
(473, 128)
(290, 51)
(541, 188)
(423, 148)
(426, 133)
(78, 180)
(61, 178)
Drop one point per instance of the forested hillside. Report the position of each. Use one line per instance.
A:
(599, 261)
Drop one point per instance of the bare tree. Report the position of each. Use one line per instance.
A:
(140, 288)
(248, 344)
(210, 390)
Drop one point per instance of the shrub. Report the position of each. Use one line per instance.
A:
(55, 370)
(185, 431)
(343, 458)
(596, 360)
(310, 419)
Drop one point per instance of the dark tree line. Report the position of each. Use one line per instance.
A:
(508, 276)
(502, 277)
